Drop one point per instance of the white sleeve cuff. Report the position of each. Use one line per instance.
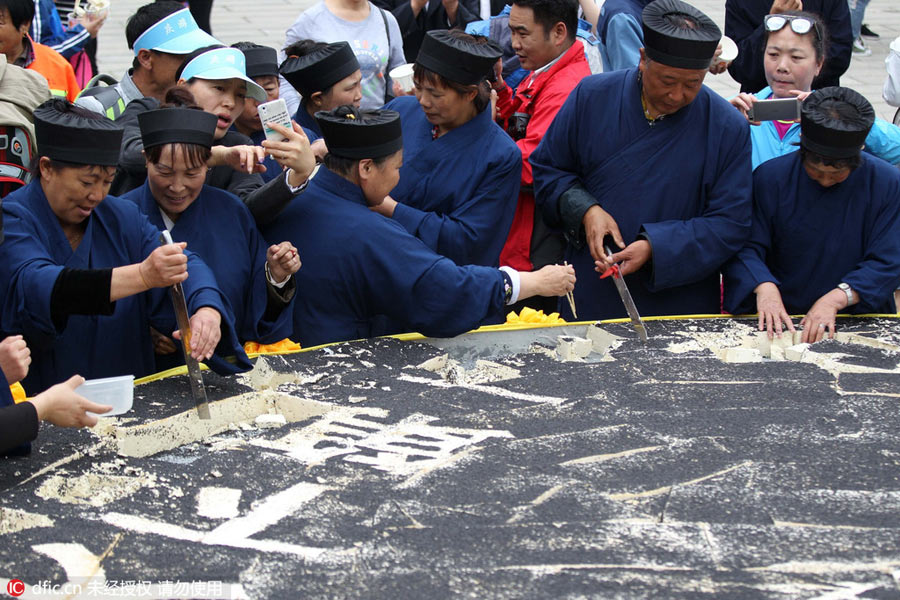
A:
(516, 283)
(273, 282)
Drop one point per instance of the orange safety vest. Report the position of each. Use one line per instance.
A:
(56, 70)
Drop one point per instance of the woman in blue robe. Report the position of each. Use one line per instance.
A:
(459, 185)
(326, 76)
(652, 161)
(216, 225)
(365, 275)
(75, 264)
(826, 226)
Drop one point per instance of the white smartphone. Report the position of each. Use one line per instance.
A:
(275, 112)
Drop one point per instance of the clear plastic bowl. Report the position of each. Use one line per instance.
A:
(117, 392)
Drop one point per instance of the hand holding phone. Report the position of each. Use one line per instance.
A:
(274, 112)
(775, 109)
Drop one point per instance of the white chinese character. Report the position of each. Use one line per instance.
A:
(182, 23)
(169, 29)
(230, 59)
(213, 60)
(96, 587)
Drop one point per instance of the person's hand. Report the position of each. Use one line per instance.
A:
(385, 207)
(630, 260)
(597, 225)
(15, 357)
(162, 344)
(167, 265)
(551, 280)
(205, 332)
(246, 159)
(319, 149)
(821, 317)
(800, 94)
(283, 261)
(717, 66)
(780, 6)
(61, 406)
(772, 313)
(451, 6)
(92, 22)
(294, 153)
(399, 91)
(498, 83)
(493, 105)
(744, 102)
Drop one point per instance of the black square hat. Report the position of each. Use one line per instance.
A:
(834, 122)
(63, 132)
(177, 125)
(260, 61)
(320, 69)
(678, 35)
(357, 134)
(457, 59)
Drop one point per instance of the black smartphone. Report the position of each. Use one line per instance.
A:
(776, 109)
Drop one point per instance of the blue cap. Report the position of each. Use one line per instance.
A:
(223, 63)
(178, 33)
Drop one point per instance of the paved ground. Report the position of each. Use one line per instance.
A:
(265, 21)
(647, 471)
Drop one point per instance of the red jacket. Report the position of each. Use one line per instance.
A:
(542, 99)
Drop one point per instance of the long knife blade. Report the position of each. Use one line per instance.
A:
(630, 307)
(184, 325)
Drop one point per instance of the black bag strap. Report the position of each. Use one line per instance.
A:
(388, 84)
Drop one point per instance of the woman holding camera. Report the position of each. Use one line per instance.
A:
(795, 51)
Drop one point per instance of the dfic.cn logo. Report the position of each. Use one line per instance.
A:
(15, 587)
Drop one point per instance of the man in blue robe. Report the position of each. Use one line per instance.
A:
(826, 225)
(57, 290)
(364, 275)
(459, 187)
(651, 161)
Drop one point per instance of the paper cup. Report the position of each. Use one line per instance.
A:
(403, 75)
(729, 50)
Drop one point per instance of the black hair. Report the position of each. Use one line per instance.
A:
(483, 96)
(196, 154)
(246, 45)
(819, 32)
(192, 56)
(681, 21)
(21, 12)
(550, 12)
(303, 47)
(830, 161)
(146, 17)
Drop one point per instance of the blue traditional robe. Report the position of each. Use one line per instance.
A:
(807, 238)
(219, 228)
(458, 193)
(308, 123)
(361, 270)
(34, 253)
(683, 182)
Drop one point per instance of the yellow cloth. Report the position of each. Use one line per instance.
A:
(284, 345)
(529, 315)
(18, 392)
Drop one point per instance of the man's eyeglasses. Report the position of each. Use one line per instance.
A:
(799, 25)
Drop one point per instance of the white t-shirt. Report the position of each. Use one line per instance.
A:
(891, 91)
(369, 41)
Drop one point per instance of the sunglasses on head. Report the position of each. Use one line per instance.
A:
(799, 25)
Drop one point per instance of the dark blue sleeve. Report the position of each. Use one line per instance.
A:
(877, 275)
(744, 25)
(555, 163)
(473, 233)
(748, 268)
(426, 292)
(27, 276)
(255, 325)
(200, 289)
(689, 250)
